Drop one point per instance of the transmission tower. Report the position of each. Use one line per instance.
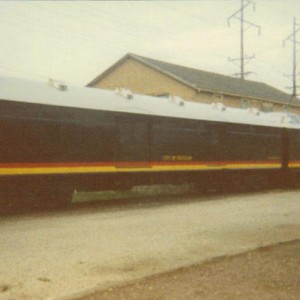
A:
(293, 38)
(239, 15)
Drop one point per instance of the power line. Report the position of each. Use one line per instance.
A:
(91, 20)
(293, 38)
(36, 75)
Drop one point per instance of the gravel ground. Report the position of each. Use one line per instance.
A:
(56, 255)
(272, 272)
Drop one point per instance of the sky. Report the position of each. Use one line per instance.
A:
(75, 41)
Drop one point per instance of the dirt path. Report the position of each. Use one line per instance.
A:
(272, 272)
(55, 255)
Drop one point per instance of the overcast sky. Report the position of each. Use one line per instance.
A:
(75, 41)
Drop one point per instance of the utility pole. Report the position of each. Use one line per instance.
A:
(293, 38)
(242, 55)
(239, 14)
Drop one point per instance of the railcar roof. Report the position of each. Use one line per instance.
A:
(58, 94)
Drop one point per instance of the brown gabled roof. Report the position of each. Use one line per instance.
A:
(208, 81)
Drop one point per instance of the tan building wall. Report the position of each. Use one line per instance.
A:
(141, 79)
(295, 110)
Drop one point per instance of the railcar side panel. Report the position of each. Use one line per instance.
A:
(294, 148)
(133, 140)
(44, 135)
(253, 143)
(60, 148)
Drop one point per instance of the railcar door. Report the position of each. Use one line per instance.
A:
(133, 140)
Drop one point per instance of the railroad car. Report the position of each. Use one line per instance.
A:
(57, 138)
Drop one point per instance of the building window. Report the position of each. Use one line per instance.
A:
(286, 108)
(266, 107)
(245, 103)
(218, 97)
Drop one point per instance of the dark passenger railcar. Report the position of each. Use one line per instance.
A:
(56, 140)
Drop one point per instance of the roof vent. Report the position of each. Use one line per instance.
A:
(291, 119)
(176, 100)
(125, 93)
(61, 86)
(254, 111)
(219, 106)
